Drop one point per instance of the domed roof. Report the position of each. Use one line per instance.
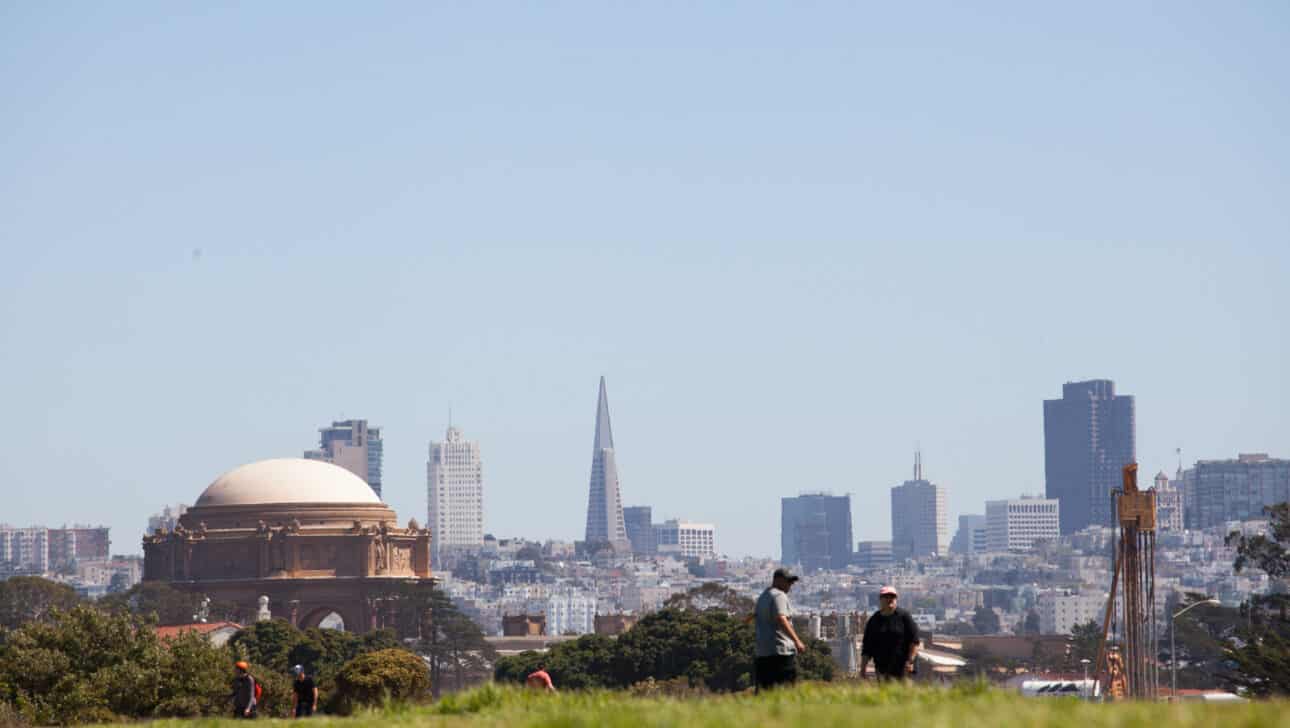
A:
(286, 480)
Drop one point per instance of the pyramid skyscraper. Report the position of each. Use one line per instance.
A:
(604, 499)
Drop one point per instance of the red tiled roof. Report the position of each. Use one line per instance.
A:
(175, 630)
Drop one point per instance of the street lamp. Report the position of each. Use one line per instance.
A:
(1084, 686)
(1173, 655)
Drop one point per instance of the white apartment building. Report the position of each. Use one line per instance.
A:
(1015, 525)
(686, 539)
(1059, 611)
(919, 517)
(25, 549)
(455, 490)
(570, 612)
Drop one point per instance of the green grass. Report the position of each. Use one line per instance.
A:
(807, 706)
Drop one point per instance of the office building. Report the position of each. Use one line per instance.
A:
(970, 538)
(1088, 438)
(638, 520)
(167, 519)
(355, 447)
(1016, 525)
(604, 499)
(815, 531)
(685, 539)
(873, 555)
(455, 494)
(919, 517)
(1218, 491)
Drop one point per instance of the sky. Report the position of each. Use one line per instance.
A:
(798, 240)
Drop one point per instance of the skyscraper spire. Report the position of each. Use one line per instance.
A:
(604, 498)
(604, 433)
(918, 463)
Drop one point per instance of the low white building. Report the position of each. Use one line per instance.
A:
(570, 612)
(686, 539)
(1060, 611)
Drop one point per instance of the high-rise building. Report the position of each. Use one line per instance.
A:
(970, 538)
(1015, 525)
(919, 517)
(24, 550)
(815, 531)
(455, 493)
(1169, 502)
(638, 520)
(1088, 438)
(1218, 491)
(604, 499)
(685, 539)
(167, 519)
(355, 447)
(570, 611)
(68, 546)
(873, 555)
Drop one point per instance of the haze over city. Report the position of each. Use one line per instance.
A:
(798, 244)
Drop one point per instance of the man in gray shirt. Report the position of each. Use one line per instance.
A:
(777, 644)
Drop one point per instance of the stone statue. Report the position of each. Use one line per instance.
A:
(294, 526)
(413, 526)
(357, 527)
(262, 528)
(203, 610)
(263, 614)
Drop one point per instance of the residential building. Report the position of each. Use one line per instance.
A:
(638, 520)
(570, 612)
(1169, 502)
(455, 494)
(354, 446)
(1218, 491)
(685, 539)
(24, 550)
(1089, 436)
(1060, 611)
(1015, 525)
(970, 538)
(79, 543)
(604, 499)
(815, 531)
(919, 517)
(873, 555)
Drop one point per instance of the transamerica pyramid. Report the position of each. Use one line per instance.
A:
(605, 501)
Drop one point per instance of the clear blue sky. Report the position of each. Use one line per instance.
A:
(796, 238)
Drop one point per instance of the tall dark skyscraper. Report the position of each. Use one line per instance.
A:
(815, 531)
(605, 500)
(1089, 435)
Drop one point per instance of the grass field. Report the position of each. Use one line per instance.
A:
(810, 706)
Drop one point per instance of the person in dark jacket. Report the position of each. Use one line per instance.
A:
(304, 693)
(243, 697)
(890, 639)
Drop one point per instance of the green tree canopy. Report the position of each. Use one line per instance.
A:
(26, 599)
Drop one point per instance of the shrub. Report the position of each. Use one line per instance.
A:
(375, 677)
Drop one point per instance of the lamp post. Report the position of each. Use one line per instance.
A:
(1173, 656)
(1084, 685)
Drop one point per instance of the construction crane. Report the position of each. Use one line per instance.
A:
(1129, 667)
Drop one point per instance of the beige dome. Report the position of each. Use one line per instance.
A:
(286, 480)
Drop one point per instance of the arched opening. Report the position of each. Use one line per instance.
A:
(324, 618)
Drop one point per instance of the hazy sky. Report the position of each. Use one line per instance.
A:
(796, 238)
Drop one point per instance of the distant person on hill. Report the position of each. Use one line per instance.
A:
(304, 700)
(775, 659)
(244, 690)
(890, 639)
(540, 679)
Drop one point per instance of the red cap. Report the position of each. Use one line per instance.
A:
(888, 590)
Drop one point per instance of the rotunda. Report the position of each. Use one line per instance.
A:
(310, 536)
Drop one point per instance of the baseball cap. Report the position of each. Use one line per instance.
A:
(298, 669)
(888, 590)
(786, 574)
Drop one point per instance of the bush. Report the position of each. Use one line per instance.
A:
(376, 677)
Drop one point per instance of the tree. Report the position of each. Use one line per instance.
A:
(451, 641)
(1030, 625)
(1261, 650)
(1269, 554)
(1085, 640)
(26, 599)
(120, 582)
(712, 595)
(379, 676)
(986, 621)
(171, 606)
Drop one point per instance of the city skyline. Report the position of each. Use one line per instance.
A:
(798, 240)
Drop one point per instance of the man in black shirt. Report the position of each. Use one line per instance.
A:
(890, 639)
(305, 698)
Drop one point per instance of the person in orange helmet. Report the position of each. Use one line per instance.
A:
(245, 700)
